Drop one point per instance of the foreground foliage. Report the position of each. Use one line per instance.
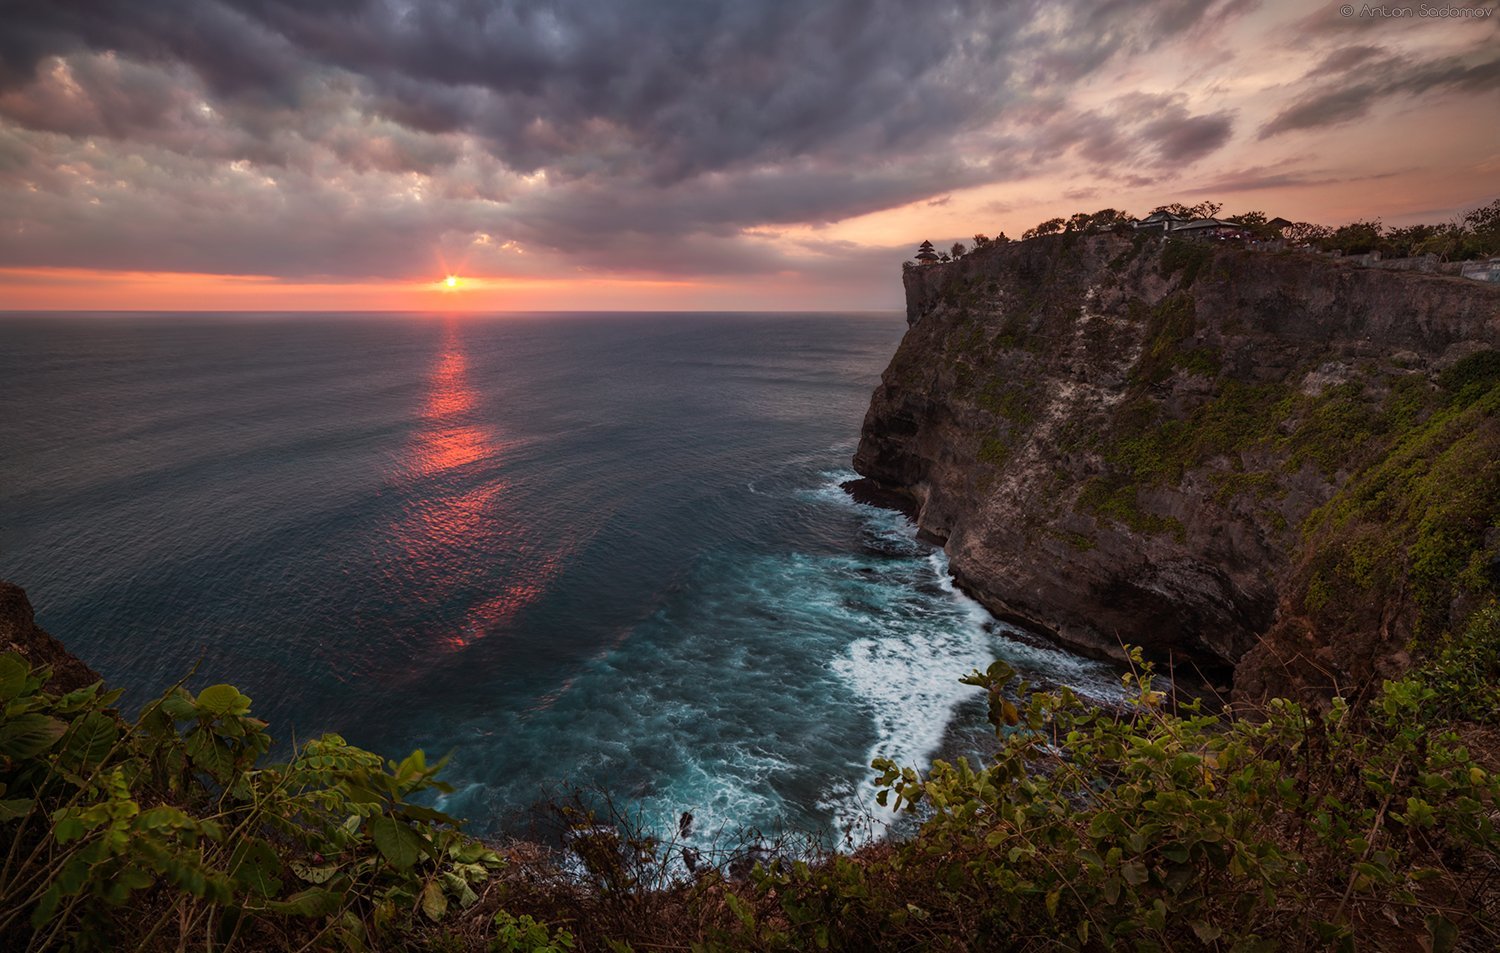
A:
(1142, 828)
(169, 833)
(1295, 830)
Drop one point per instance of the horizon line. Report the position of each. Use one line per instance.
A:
(15, 311)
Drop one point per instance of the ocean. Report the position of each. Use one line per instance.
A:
(595, 551)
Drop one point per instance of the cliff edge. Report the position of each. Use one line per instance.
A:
(1267, 465)
(19, 633)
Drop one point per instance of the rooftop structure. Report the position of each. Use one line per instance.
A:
(1160, 221)
(1209, 228)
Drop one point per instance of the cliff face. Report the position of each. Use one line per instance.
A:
(1173, 445)
(20, 633)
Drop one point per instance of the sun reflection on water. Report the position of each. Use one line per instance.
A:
(462, 520)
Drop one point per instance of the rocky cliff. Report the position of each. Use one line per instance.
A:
(1269, 465)
(20, 633)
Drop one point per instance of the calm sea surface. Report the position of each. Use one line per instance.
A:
(596, 550)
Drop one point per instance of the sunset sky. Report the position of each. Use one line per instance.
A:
(696, 154)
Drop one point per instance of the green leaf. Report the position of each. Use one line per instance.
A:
(740, 909)
(75, 872)
(13, 672)
(434, 903)
(1206, 932)
(91, 738)
(210, 754)
(417, 812)
(1156, 917)
(67, 829)
(1008, 713)
(1110, 889)
(223, 700)
(312, 902)
(457, 885)
(179, 705)
(414, 764)
(46, 906)
(397, 842)
(254, 865)
(78, 698)
(26, 736)
(163, 815)
(13, 808)
(1443, 933)
(313, 875)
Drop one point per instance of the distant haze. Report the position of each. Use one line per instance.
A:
(701, 154)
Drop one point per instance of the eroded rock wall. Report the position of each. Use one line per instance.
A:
(1122, 440)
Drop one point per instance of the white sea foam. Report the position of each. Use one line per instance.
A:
(759, 698)
(908, 669)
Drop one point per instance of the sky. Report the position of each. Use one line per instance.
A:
(687, 154)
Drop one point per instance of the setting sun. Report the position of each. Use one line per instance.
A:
(451, 281)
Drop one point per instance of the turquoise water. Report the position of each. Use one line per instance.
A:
(607, 551)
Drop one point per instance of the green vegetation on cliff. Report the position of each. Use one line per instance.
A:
(1408, 526)
(1413, 527)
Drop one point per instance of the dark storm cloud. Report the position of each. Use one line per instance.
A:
(1135, 129)
(284, 137)
(1076, 47)
(1350, 94)
(1185, 139)
(667, 89)
(234, 51)
(1255, 178)
(1344, 59)
(1179, 138)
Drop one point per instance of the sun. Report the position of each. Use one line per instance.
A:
(451, 281)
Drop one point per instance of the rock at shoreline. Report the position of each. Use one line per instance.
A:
(19, 633)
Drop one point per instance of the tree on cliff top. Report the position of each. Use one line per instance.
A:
(1050, 227)
(1484, 223)
(1203, 209)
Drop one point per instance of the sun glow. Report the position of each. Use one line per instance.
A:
(84, 289)
(450, 282)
